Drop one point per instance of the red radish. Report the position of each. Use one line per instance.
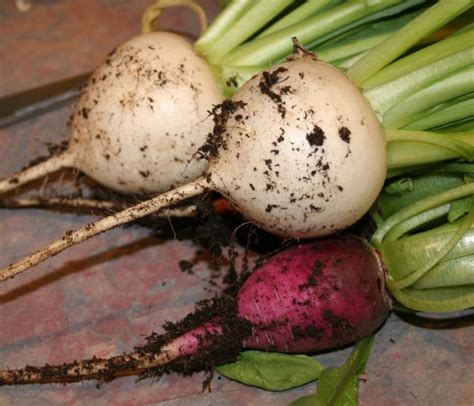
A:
(291, 151)
(310, 297)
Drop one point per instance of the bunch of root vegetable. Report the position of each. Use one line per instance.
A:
(304, 125)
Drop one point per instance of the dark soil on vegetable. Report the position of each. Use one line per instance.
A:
(221, 349)
(215, 140)
(345, 134)
(316, 137)
(268, 81)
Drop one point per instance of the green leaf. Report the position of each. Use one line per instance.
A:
(460, 207)
(399, 186)
(439, 300)
(453, 272)
(338, 386)
(272, 371)
(308, 400)
(398, 194)
(406, 255)
(224, 3)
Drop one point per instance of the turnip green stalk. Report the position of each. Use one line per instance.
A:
(456, 112)
(305, 10)
(150, 17)
(419, 28)
(276, 46)
(419, 207)
(430, 268)
(223, 22)
(423, 57)
(260, 13)
(353, 43)
(385, 96)
(429, 101)
(409, 148)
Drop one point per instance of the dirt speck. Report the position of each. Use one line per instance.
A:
(345, 134)
(316, 137)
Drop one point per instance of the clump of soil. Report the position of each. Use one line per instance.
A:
(215, 140)
(222, 348)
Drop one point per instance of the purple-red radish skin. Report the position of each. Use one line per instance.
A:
(315, 296)
(311, 297)
(192, 341)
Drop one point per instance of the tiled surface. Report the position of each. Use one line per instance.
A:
(102, 296)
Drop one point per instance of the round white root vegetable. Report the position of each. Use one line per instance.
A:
(304, 154)
(298, 151)
(139, 119)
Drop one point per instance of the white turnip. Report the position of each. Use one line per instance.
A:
(298, 151)
(310, 297)
(139, 119)
(144, 112)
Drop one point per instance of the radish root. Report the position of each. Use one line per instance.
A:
(94, 368)
(211, 335)
(97, 368)
(63, 202)
(51, 165)
(107, 206)
(133, 213)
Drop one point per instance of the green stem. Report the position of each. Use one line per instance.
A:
(151, 15)
(419, 104)
(231, 78)
(415, 169)
(431, 300)
(450, 114)
(459, 126)
(345, 64)
(248, 24)
(468, 168)
(405, 191)
(407, 254)
(423, 57)
(221, 24)
(306, 10)
(278, 45)
(398, 43)
(361, 39)
(453, 272)
(460, 144)
(413, 277)
(419, 207)
(406, 226)
(356, 359)
(385, 96)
